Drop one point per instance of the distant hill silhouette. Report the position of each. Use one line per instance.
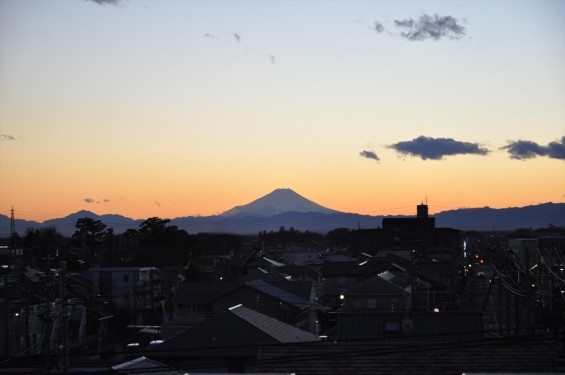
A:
(285, 208)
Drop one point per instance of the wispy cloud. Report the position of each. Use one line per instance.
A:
(522, 150)
(106, 2)
(430, 27)
(7, 138)
(369, 155)
(437, 148)
(211, 36)
(91, 200)
(237, 37)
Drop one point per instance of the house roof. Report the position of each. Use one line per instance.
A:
(282, 332)
(398, 278)
(144, 366)
(237, 331)
(375, 286)
(296, 293)
(278, 292)
(297, 271)
(350, 268)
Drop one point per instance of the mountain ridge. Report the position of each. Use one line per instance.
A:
(285, 208)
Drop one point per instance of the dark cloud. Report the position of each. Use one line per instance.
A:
(237, 37)
(89, 200)
(158, 204)
(369, 155)
(378, 27)
(522, 150)
(556, 150)
(437, 148)
(7, 137)
(430, 27)
(106, 2)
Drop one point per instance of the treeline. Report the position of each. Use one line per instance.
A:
(158, 243)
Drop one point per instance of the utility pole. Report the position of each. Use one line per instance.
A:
(63, 321)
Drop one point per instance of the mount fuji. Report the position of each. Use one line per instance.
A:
(277, 202)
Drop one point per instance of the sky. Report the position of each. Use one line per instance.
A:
(185, 108)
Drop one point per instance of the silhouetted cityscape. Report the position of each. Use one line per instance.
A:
(405, 296)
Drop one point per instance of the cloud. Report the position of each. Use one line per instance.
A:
(437, 148)
(369, 155)
(91, 200)
(378, 27)
(158, 204)
(105, 2)
(211, 36)
(237, 37)
(430, 27)
(522, 150)
(7, 138)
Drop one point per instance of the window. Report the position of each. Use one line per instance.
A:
(392, 326)
(372, 303)
(125, 277)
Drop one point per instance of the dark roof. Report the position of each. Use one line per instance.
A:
(350, 268)
(241, 257)
(302, 289)
(296, 293)
(278, 293)
(235, 332)
(375, 286)
(197, 292)
(509, 355)
(144, 366)
(297, 271)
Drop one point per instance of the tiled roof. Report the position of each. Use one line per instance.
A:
(282, 332)
(510, 355)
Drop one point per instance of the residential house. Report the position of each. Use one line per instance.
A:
(228, 342)
(135, 291)
(292, 302)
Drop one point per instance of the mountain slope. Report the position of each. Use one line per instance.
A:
(277, 202)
